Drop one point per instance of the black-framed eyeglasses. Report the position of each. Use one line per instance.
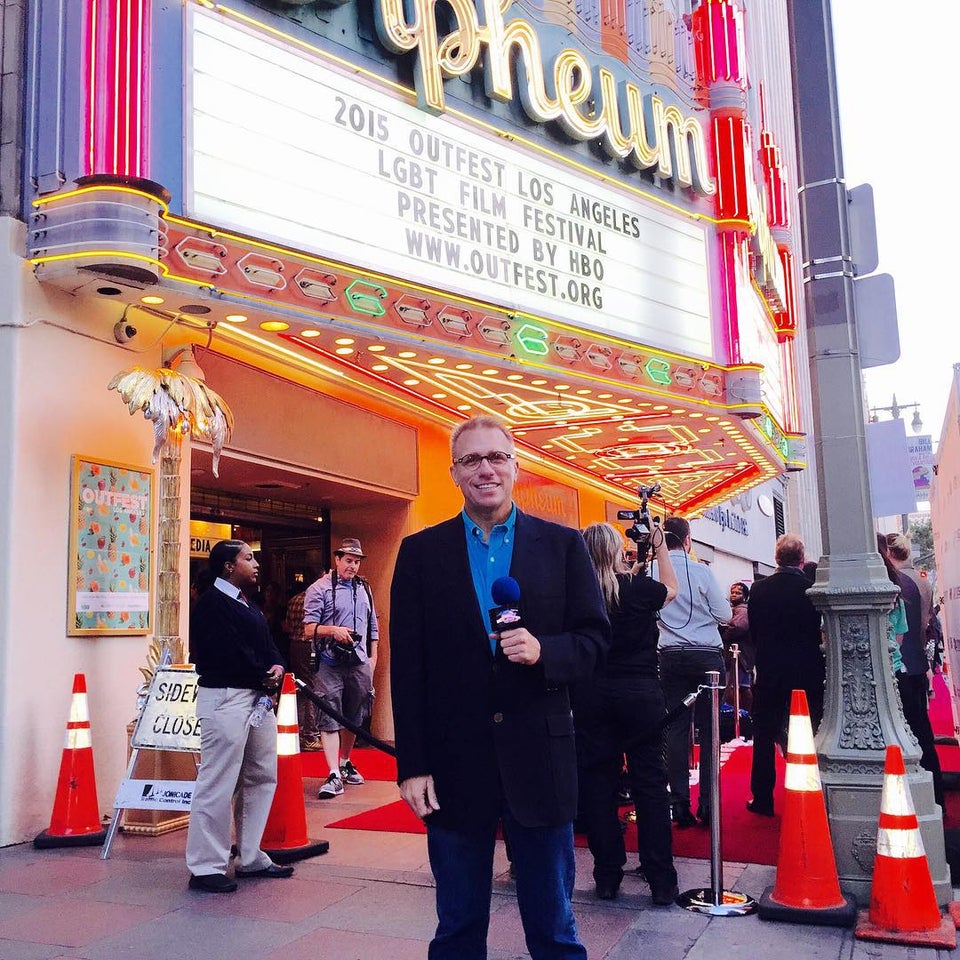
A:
(471, 461)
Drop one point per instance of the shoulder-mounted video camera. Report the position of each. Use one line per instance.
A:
(640, 531)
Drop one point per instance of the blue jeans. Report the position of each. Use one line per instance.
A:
(462, 865)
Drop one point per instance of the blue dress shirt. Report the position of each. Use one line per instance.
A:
(489, 560)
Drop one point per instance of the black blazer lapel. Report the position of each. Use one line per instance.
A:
(526, 547)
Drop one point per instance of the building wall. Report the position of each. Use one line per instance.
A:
(55, 369)
(739, 536)
(945, 517)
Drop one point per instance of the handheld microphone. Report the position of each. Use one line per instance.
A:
(506, 615)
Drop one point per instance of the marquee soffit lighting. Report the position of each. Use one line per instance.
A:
(695, 492)
(614, 438)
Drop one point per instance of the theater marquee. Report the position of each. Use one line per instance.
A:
(287, 146)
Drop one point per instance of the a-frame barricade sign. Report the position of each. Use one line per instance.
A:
(167, 721)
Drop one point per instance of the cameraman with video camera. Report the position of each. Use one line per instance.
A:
(690, 647)
(340, 620)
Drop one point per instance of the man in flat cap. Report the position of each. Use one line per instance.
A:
(339, 618)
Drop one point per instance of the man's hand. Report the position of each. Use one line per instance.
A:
(420, 795)
(341, 635)
(519, 646)
(274, 676)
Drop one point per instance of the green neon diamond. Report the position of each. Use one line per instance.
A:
(365, 297)
(658, 371)
(533, 340)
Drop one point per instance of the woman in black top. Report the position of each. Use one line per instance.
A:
(237, 664)
(618, 713)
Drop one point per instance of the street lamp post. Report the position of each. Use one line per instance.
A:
(895, 409)
(862, 713)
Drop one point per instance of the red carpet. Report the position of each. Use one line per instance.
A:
(394, 817)
(941, 713)
(745, 838)
(373, 764)
(941, 719)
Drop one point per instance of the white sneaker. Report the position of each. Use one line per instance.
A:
(332, 787)
(349, 773)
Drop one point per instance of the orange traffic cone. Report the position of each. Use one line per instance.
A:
(807, 888)
(285, 835)
(76, 813)
(903, 905)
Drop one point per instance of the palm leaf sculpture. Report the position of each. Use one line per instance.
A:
(177, 405)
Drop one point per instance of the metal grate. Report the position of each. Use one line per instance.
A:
(778, 521)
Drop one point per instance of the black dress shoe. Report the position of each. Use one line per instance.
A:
(664, 895)
(607, 889)
(683, 818)
(759, 809)
(275, 871)
(212, 883)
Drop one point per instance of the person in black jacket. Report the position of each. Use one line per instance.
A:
(617, 713)
(785, 627)
(237, 663)
(482, 719)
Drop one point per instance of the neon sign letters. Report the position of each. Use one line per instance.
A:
(588, 103)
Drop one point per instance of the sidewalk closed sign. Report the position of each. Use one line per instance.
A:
(169, 719)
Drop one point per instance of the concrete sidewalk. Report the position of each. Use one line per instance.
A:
(370, 897)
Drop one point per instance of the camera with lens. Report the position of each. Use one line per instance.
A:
(640, 531)
(335, 654)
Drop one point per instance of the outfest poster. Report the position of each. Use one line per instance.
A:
(111, 553)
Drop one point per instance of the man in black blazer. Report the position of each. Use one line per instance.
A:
(483, 726)
(785, 628)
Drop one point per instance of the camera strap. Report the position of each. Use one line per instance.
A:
(334, 580)
(366, 589)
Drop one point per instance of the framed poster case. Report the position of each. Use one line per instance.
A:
(110, 583)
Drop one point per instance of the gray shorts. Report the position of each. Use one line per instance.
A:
(347, 690)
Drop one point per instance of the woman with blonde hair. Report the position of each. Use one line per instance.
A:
(618, 714)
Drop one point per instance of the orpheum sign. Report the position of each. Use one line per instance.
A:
(587, 101)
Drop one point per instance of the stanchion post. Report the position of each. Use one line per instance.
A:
(735, 653)
(716, 901)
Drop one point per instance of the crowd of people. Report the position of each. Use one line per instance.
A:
(524, 715)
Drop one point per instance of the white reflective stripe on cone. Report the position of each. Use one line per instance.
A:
(895, 797)
(288, 744)
(287, 711)
(77, 738)
(804, 777)
(800, 735)
(79, 713)
(899, 844)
